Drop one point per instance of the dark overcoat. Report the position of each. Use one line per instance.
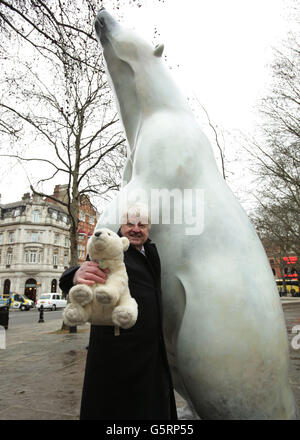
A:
(127, 377)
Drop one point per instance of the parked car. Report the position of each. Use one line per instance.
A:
(51, 301)
(19, 301)
(4, 302)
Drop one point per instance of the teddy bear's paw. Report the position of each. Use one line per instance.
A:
(123, 317)
(81, 295)
(103, 297)
(72, 315)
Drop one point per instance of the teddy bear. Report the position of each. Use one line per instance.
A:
(109, 303)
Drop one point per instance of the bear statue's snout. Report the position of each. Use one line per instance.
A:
(98, 233)
(99, 21)
(105, 23)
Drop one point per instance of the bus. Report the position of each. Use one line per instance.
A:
(291, 287)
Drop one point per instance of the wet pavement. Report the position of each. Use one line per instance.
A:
(42, 369)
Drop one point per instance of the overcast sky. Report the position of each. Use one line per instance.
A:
(223, 49)
(220, 52)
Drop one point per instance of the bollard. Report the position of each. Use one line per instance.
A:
(41, 314)
(4, 317)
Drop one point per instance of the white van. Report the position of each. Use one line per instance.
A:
(51, 301)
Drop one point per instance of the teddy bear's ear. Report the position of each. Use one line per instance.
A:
(126, 243)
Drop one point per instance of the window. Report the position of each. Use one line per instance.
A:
(82, 216)
(66, 259)
(91, 220)
(66, 241)
(1, 238)
(45, 296)
(41, 237)
(56, 238)
(36, 216)
(0, 257)
(32, 257)
(34, 237)
(17, 212)
(55, 258)
(9, 258)
(18, 297)
(11, 237)
(54, 215)
(81, 235)
(81, 249)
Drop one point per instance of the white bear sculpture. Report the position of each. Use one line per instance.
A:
(109, 303)
(223, 321)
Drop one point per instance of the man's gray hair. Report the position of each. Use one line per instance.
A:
(136, 212)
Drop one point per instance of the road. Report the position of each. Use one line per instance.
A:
(18, 318)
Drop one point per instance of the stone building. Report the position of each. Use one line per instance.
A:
(34, 246)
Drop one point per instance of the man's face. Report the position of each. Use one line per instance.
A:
(137, 233)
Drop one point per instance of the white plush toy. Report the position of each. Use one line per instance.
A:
(109, 303)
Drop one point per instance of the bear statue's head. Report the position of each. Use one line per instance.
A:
(126, 44)
(106, 244)
(129, 60)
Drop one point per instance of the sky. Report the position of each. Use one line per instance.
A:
(220, 53)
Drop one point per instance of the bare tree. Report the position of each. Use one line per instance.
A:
(276, 155)
(56, 107)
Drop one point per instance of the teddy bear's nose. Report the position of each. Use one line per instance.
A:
(97, 234)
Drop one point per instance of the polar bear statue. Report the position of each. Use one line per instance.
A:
(223, 321)
(109, 303)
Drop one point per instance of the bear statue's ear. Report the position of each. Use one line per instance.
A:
(158, 51)
(126, 243)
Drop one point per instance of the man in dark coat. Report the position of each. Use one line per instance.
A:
(127, 377)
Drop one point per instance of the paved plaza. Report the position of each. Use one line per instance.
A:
(42, 369)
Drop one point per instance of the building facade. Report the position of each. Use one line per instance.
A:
(88, 217)
(284, 267)
(34, 246)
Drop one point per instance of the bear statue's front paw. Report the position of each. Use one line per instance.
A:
(73, 315)
(124, 317)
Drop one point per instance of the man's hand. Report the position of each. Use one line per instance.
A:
(90, 273)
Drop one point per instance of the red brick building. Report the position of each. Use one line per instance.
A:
(88, 217)
(283, 265)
